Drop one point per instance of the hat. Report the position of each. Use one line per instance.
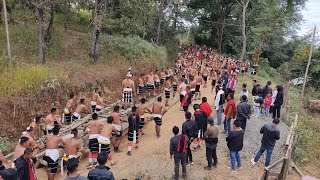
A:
(129, 75)
(210, 120)
(9, 174)
(72, 164)
(196, 107)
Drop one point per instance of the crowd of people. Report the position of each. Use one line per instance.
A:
(195, 66)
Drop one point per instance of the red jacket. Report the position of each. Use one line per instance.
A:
(233, 104)
(206, 109)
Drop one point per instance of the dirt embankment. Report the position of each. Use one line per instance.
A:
(18, 110)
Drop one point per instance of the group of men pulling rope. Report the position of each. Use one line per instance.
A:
(194, 67)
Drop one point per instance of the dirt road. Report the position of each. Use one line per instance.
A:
(152, 159)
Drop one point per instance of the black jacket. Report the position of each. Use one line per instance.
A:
(201, 120)
(270, 134)
(134, 120)
(100, 173)
(266, 90)
(190, 128)
(279, 99)
(243, 111)
(254, 91)
(235, 140)
(23, 168)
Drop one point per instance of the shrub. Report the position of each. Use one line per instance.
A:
(133, 48)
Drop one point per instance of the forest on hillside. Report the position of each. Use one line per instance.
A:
(247, 29)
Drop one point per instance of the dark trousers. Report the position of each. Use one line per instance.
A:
(189, 153)
(243, 124)
(177, 161)
(276, 111)
(211, 155)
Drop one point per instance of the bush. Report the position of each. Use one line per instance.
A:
(133, 48)
(5, 145)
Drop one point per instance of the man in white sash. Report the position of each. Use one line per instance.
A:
(104, 138)
(95, 127)
(128, 91)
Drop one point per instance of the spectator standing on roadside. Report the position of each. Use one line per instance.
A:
(72, 167)
(243, 112)
(189, 128)
(230, 113)
(211, 139)
(271, 134)
(101, 171)
(178, 148)
(278, 102)
(219, 101)
(235, 145)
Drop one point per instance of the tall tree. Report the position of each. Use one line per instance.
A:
(160, 21)
(100, 9)
(244, 4)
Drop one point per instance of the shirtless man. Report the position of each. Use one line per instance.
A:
(95, 127)
(19, 149)
(100, 102)
(29, 133)
(174, 85)
(150, 83)
(141, 87)
(158, 110)
(182, 90)
(198, 84)
(68, 108)
(157, 80)
(52, 121)
(81, 108)
(163, 77)
(167, 87)
(104, 138)
(141, 110)
(36, 125)
(128, 91)
(94, 98)
(72, 147)
(133, 129)
(116, 139)
(205, 74)
(52, 152)
(214, 77)
(193, 85)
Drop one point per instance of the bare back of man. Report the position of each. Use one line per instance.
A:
(158, 110)
(116, 139)
(72, 147)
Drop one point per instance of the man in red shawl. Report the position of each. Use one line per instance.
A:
(205, 107)
(229, 112)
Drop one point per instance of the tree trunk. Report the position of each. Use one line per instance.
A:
(100, 9)
(221, 26)
(160, 21)
(41, 35)
(66, 14)
(244, 35)
(50, 26)
(175, 18)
